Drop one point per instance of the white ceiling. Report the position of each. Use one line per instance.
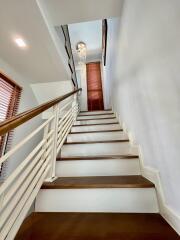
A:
(74, 11)
(91, 34)
(34, 20)
(40, 62)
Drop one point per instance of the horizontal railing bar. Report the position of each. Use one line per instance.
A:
(62, 127)
(63, 132)
(9, 180)
(64, 117)
(15, 148)
(19, 194)
(65, 106)
(9, 196)
(64, 135)
(65, 126)
(27, 205)
(23, 117)
(22, 202)
(19, 190)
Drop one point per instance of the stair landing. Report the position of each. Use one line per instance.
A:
(95, 226)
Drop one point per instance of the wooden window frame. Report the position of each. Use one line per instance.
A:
(6, 140)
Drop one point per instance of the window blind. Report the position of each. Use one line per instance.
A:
(9, 102)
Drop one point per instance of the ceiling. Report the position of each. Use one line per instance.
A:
(91, 34)
(40, 62)
(35, 21)
(74, 11)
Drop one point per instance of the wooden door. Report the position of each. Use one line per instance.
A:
(94, 87)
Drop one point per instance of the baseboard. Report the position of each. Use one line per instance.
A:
(172, 218)
(167, 213)
(154, 176)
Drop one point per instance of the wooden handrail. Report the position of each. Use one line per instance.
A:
(23, 117)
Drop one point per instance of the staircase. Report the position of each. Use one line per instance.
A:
(99, 192)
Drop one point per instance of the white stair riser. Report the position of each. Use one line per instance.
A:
(138, 200)
(99, 121)
(95, 117)
(98, 149)
(111, 167)
(96, 128)
(101, 136)
(95, 112)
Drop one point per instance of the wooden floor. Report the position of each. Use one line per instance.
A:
(95, 226)
(132, 181)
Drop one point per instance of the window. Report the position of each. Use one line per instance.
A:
(9, 101)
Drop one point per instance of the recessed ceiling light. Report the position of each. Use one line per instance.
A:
(20, 42)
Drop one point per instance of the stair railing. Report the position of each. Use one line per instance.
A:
(19, 190)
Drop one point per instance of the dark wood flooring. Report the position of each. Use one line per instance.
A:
(95, 226)
(132, 181)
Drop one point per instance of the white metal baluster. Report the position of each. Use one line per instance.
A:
(1, 202)
(60, 128)
(54, 126)
(45, 134)
(73, 106)
(76, 105)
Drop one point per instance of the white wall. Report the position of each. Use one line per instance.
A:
(106, 86)
(47, 91)
(27, 101)
(146, 85)
(108, 70)
(82, 83)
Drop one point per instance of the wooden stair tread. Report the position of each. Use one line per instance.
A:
(102, 157)
(94, 131)
(94, 124)
(106, 110)
(94, 142)
(89, 119)
(94, 114)
(95, 226)
(133, 181)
